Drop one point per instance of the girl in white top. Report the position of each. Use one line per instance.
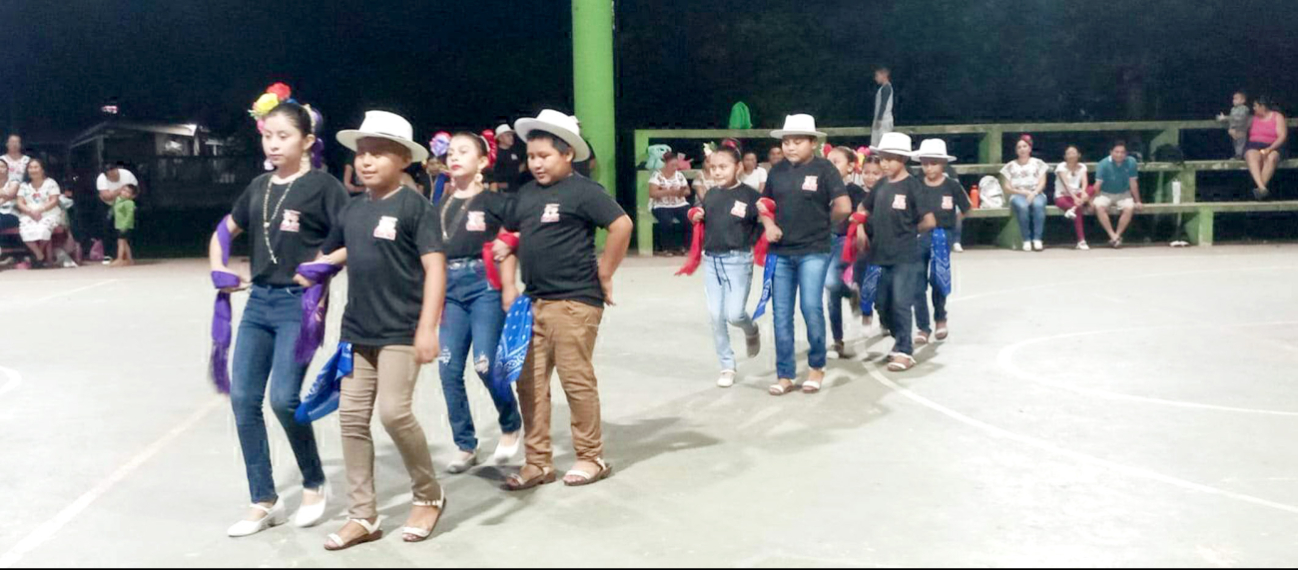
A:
(1025, 180)
(753, 175)
(669, 200)
(1072, 192)
(38, 204)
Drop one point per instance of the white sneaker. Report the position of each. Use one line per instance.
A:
(275, 516)
(727, 379)
(957, 248)
(1071, 214)
(1083, 246)
(504, 454)
(1038, 245)
(310, 515)
(1027, 246)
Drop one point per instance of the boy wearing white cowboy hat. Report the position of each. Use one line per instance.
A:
(810, 199)
(556, 216)
(944, 196)
(390, 239)
(898, 214)
(511, 161)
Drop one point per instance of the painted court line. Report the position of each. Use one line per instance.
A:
(14, 380)
(1046, 446)
(75, 291)
(51, 527)
(1005, 359)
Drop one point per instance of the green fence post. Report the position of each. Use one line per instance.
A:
(593, 86)
(990, 149)
(644, 217)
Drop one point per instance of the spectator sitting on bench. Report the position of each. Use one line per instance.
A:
(1266, 144)
(1118, 180)
(38, 201)
(1072, 194)
(8, 216)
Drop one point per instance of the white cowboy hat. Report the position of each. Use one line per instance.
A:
(894, 143)
(933, 149)
(559, 125)
(798, 126)
(385, 125)
(502, 129)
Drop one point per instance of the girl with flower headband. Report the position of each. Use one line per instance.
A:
(845, 161)
(287, 213)
(474, 314)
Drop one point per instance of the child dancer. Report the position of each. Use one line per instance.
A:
(809, 200)
(556, 216)
(475, 311)
(287, 214)
(943, 195)
(836, 290)
(864, 272)
(731, 226)
(390, 239)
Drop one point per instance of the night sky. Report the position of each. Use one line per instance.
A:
(476, 63)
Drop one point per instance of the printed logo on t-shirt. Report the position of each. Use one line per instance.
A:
(948, 203)
(811, 184)
(899, 202)
(740, 210)
(387, 228)
(291, 221)
(477, 222)
(551, 214)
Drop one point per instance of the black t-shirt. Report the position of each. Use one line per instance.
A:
(507, 171)
(385, 241)
(857, 194)
(804, 195)
(557, 237)
(465, 229)
(583, 167)
(896, 209)
(730, 219)
(943, 200)
(297, 228)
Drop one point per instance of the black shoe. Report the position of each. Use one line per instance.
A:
(1261, 194)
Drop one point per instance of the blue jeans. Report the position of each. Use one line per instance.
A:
(473, 316)
(805, 272)
(727, 280)
(262, 355)
(1033, 226)
(923, 284)
(836, 290)
(896, 303)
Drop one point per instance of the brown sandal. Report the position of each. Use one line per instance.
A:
(336, 543)
(412, 534)
(605, 471)
(515, 482)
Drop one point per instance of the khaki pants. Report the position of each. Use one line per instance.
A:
(563, 337)
(386, 374)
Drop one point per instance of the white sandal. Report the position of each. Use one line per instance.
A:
(310, 515)
(275, 516)
(605, 470)
(374, 532)
(504, 454)
(462, 465)
(415, 534)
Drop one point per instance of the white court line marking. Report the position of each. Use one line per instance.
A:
(51, 527)
(15, 380)
(1044, 445)
(74, 291)
(1005, 359)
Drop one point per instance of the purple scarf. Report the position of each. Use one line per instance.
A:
(315, 309)
(222, 313)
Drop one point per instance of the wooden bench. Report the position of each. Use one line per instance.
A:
(1197, 217)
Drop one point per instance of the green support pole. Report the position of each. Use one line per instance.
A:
(593, 86)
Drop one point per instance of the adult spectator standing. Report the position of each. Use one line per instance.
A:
(1119, 182)
(110, 185)
(883, 105)
(511, 161)
(1266, 144)
(753, 175)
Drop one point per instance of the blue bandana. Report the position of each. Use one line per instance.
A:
(768, 287)
(940, 267)
(323, 398)
(511, 353)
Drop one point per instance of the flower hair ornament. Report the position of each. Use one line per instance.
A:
(489, 137)
(281, 93)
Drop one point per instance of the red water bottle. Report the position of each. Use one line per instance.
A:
(973, 197)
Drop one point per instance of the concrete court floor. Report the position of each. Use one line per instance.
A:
(1106, 408)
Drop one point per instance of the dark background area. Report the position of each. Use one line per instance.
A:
(451, 65)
